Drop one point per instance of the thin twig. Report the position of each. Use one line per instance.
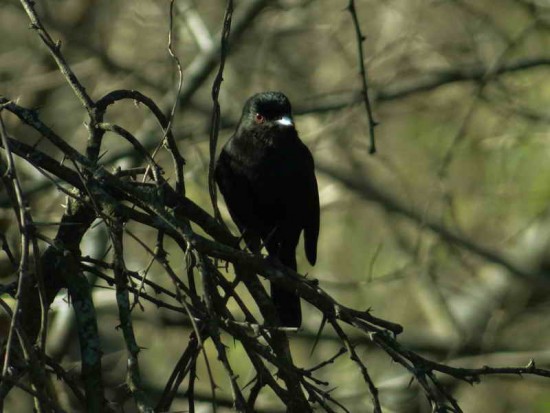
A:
(365, 91)
(215, 122)
(27, 233)
(362, 367)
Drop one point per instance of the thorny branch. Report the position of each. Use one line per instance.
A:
(307, 288)
(27, 232)
(365, 91)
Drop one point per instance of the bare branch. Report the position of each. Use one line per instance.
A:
(365, 91)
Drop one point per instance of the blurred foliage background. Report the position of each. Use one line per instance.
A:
(445, 230)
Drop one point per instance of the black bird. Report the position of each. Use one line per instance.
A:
(266, 175)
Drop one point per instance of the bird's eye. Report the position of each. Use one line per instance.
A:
(260, 118)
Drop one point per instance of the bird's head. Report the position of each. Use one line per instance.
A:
(267, 109)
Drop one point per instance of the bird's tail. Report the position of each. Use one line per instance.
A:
(287, 305)
(286, 302)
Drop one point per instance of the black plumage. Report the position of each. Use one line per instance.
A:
(266, 175)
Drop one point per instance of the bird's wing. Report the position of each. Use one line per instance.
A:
(311, 209)
(238, 196)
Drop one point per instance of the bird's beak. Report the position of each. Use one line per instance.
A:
(285, 121)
